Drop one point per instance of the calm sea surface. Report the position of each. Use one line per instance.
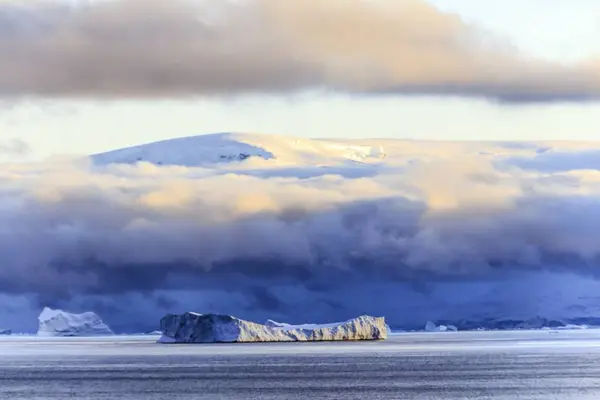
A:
(473, 365)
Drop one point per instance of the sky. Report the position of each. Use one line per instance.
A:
(414, 230)
(40, 118)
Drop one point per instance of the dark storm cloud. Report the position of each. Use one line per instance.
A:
(157, 48)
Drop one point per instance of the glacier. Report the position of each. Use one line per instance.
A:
(61, 323)
(193, 327)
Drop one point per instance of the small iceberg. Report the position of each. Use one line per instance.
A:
(61, 323)
(432, 327)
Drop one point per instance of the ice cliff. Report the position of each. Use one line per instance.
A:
(61, 323)
(215, 328)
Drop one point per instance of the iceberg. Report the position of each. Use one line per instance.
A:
(61, 323)
(5, 332)
(572, 327)
(432, 327)
(192, 327)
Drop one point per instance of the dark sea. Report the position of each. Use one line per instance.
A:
(464, 365)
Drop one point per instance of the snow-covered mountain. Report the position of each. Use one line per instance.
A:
(204, 150)
(282, 151)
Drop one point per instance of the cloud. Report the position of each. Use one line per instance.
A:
(153, 48)
(556, 161)
(76, 234)
(14, 148)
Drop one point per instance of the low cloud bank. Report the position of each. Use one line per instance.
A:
(70, 229)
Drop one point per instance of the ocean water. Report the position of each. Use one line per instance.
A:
(463, 365)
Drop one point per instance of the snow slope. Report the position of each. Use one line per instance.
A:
(214, 328)
(61, 323)
(217, 148)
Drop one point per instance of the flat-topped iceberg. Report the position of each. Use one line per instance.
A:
(61, 323)
(215, 328)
